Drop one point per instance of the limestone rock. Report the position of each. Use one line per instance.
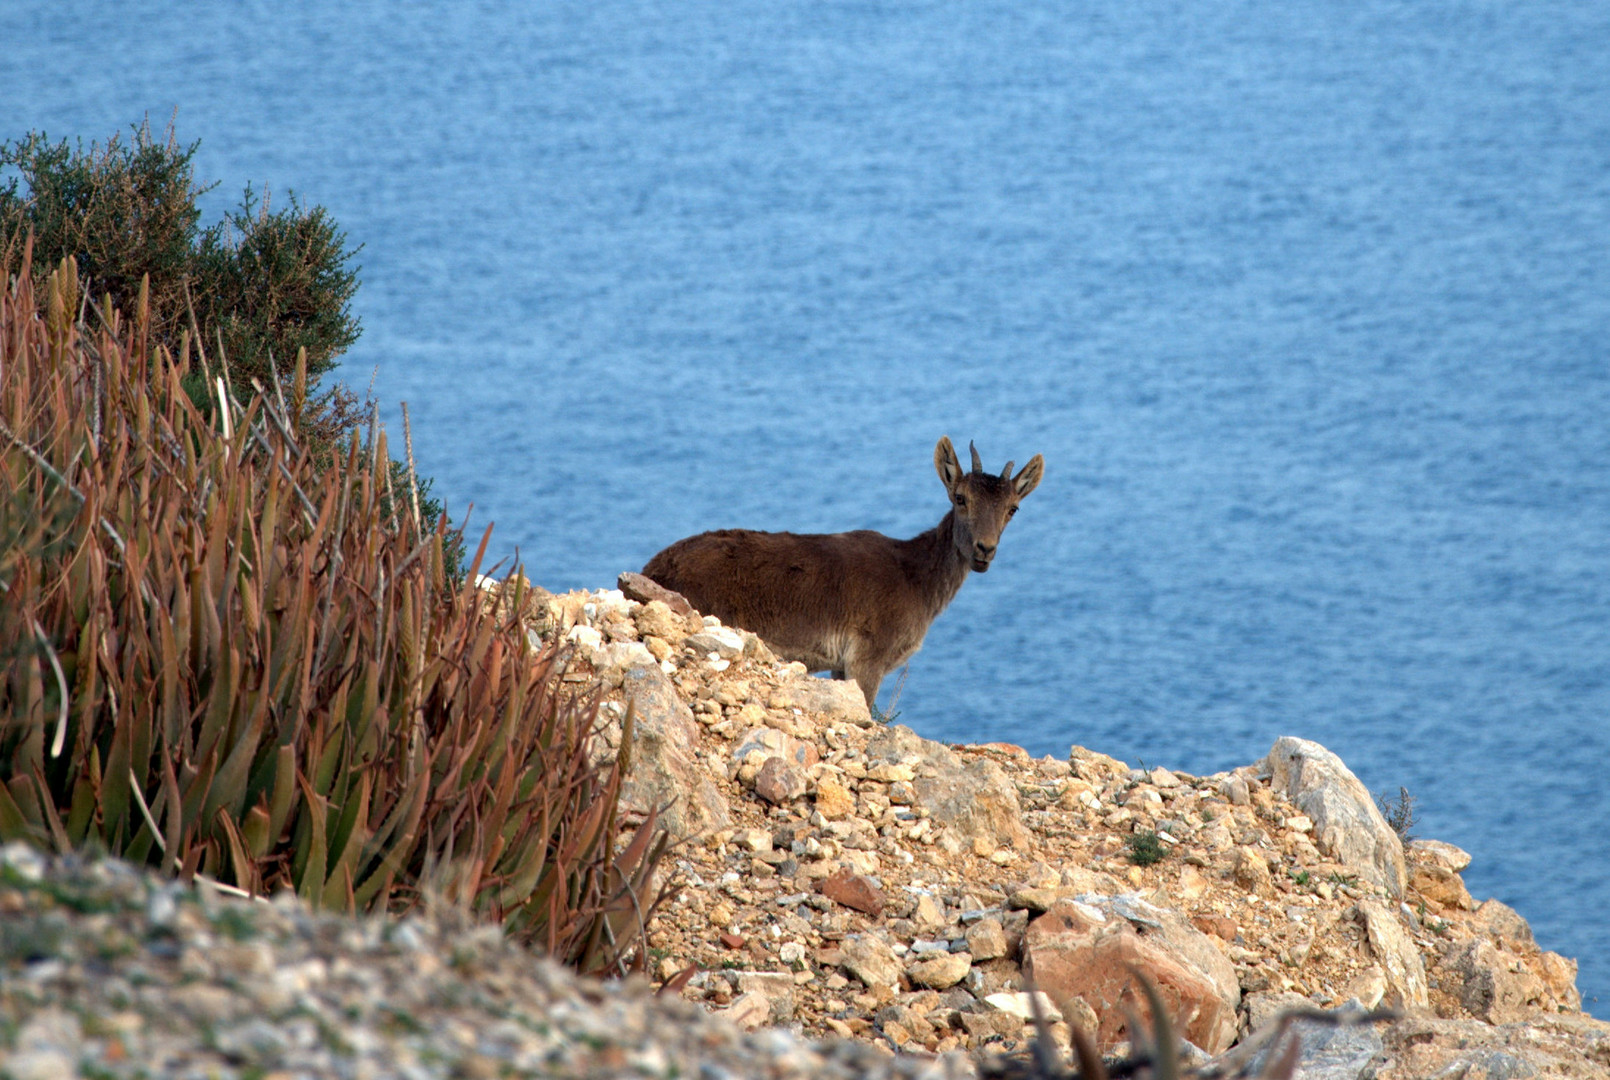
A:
(1504, 925)
(986, 939)
(1078, 950)
(1329, 1052)
(869, 959)
(748, 1011)
(656, 619)
(723, 641)
(976, 802)
(1251, 872)
(1490, 983)
(778, 782)
(829, 700)
(777, 987)
(1576, 1047)
(1559, 975)
(1437, 853)
(1347, 823)
(800, 753)
(1095, 767)
(1399, 957)
(1021, 1005)
(1441, 886)
(664, 770)
(941, 972)
(1267, 1005)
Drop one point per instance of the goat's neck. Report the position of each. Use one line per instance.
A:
(933, 563)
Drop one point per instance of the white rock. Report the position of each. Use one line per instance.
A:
(1018, 1004)
(585, 636)
(726, 643)
(1347, 824)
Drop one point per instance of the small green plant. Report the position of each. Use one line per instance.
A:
(1336, 877)
(1399, 812)
(1302, 878)
(1146, 848)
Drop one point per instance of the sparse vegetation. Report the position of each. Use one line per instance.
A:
(1398, 812)
(1146, 849)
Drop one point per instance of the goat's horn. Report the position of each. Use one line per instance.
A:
(978, 465)
(1006, 473)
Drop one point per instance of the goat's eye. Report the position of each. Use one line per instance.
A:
(1011, 511)
(961, 500)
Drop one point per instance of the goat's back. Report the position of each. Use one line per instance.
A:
(805, 594)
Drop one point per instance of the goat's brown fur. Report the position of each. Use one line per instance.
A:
(857, 604)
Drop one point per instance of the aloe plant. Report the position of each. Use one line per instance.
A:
(227, 659)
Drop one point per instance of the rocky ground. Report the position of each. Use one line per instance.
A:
(843, 877)
(855, 901)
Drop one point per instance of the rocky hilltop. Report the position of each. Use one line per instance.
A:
(855, 901)
(847, 878)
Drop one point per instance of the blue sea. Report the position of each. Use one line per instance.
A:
(1306, 304)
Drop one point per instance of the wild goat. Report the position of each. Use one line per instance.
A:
(857, 604)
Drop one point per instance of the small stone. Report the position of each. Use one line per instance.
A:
(1162, 778)
(833, 799)
(1193, 884)
(647, 591)
(1034, 900)
(929, 912)
(1235, 789)
(778, 782)
(986, 939)
(853, 891)
(869, 959)
(942, 972)
(725, 642)
(756, 840)
(749, 1010)
(1251, 872)
(1437, 853)
(1022, 1005)
(1220, 926)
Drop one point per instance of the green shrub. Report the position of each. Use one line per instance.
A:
(226, 660)
(264, 284)
(1146, 848)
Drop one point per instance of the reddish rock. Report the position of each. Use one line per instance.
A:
(1076, 950)
(639, 588)
(732, 941)
(778, 782)
(853, 891)
(1220, 926)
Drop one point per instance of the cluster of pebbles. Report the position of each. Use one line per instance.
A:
(105, 971)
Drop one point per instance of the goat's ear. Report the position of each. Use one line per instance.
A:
(1029, 479)
(947, 464)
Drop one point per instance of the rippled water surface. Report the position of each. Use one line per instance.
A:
(1306, 304)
